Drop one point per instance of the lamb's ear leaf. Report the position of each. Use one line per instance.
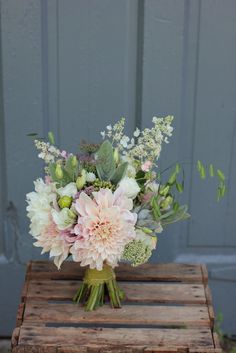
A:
(105, 161)
(119, 173)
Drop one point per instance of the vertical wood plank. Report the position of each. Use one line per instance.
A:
(215, 119)
(163, 54)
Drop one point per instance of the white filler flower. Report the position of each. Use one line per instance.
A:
(64, 219)
(69, 190)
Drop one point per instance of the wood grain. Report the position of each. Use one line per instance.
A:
(168, 309)
(31, 335)
(135, 292)
(128, 314)
(147, 272)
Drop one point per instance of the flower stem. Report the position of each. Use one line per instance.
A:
(92, 291)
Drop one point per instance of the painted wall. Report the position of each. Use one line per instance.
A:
(73, 66)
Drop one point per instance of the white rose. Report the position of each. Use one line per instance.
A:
(64, 219)
(130, 187)
(69, 190)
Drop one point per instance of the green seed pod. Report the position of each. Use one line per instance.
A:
(172, 178)
(116, 155)
(167, 202)
(164, 190)
(59, 172)
(81, 180)
(147, 230)
(65, 201)
(74, 162)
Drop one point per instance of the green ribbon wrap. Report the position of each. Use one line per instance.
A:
(96, 286)
(94, 277)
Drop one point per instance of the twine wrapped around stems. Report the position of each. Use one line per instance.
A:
(96, 284)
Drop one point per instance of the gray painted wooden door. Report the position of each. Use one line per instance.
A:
(73, 66)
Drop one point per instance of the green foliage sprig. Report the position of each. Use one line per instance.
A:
(213, 172)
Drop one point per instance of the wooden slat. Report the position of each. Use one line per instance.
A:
(147, 272)
(26, 283)
(171, 302)
(129, 314)
(115, 336)
(204, 274)
(216, 341)
(20, 313)
(135, 292)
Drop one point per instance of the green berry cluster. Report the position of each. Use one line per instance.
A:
(136, 252)
(102, 184)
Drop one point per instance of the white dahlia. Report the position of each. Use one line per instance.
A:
(105, 225)
(40, 203)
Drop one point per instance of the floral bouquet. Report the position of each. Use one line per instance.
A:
(107, 204)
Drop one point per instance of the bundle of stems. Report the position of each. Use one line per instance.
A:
(96, 286)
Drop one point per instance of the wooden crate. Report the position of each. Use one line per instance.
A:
(168, 308)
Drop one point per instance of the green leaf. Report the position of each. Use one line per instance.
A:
(119, 173)
(202, 172)
(71, 168)
(179, 215)
(32, 134)
(51, 138)
(172, 178)
(155, 208)
(179, 187)
(199, 165)
(65, 179)
(176, 206)
(177, 168)
(105, 161)
(220, 175)
(211, 170)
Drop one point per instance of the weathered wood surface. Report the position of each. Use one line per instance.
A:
(147, 272)
(168, 308)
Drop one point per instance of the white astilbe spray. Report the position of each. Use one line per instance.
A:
(149, 143)
(144, 145)
(47, 152)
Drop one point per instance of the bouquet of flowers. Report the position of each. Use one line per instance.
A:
(107, 204)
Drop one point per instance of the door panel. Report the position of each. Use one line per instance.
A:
(74, 67)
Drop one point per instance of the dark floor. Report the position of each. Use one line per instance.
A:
(5, 346)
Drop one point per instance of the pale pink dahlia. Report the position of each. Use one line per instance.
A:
(55, 241)
(105, 225)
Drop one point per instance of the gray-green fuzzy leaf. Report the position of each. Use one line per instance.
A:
(119, 173)
(105, 161)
